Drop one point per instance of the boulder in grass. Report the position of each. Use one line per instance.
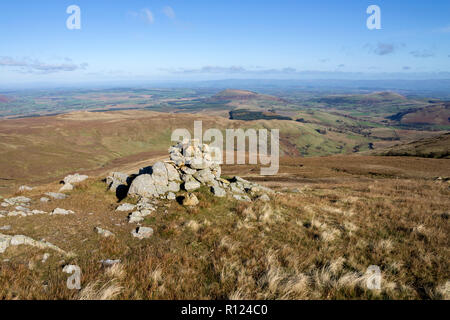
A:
(103, 232)
(63, 212)
(74, 178)
(142, 233)
(56, 195)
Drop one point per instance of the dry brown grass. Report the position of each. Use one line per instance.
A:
(312, 244)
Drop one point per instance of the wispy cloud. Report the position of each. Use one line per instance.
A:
(382, 48)
(145, 15)
(422, 53)
(169, 12)
(148, 15)
(443, 30)
(26, 65)
(406, 68)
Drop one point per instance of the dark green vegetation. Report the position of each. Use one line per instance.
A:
(247, 115)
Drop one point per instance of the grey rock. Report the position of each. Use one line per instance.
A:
(143, 186)
(135, 217)
(16, 214)
(117, 179)
(59, 211)
(236, 188)
(25, 188)
(142, 233)
(66, 187)
(109, 262)
(159, 175)
(188, 170)
(44, 199)
(198, 163)
(126, 207)
(33, 212)
(218, 191)
(171, 196)
(103, 232)
(20, 208)
(75, 178)
(264, 198)
(17, 200)
(205, 176)
(5, 228)
(173, 186)
(172, 172)
(45, 257)
(191, 185)
(56, 195)
(17, 240)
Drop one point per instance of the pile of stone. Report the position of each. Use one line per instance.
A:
(191, 166)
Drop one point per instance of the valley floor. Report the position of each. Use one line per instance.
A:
(332, 218)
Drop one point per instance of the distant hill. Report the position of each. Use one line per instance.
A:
(438, 114)
(435, 147)
(233, 94)
(374, 103)
(4, 98)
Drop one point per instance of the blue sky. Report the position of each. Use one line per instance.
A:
(201, 40)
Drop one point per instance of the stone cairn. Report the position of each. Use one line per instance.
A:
(190, 167)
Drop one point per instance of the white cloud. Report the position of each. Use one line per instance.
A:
(168, 11)
(26, 65)
(444, 29)
(422, 53)
(148, 15)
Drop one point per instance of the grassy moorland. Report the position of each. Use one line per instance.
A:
(43, 149)
(332, 218)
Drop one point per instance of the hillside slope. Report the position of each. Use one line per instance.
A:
(434, 147)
